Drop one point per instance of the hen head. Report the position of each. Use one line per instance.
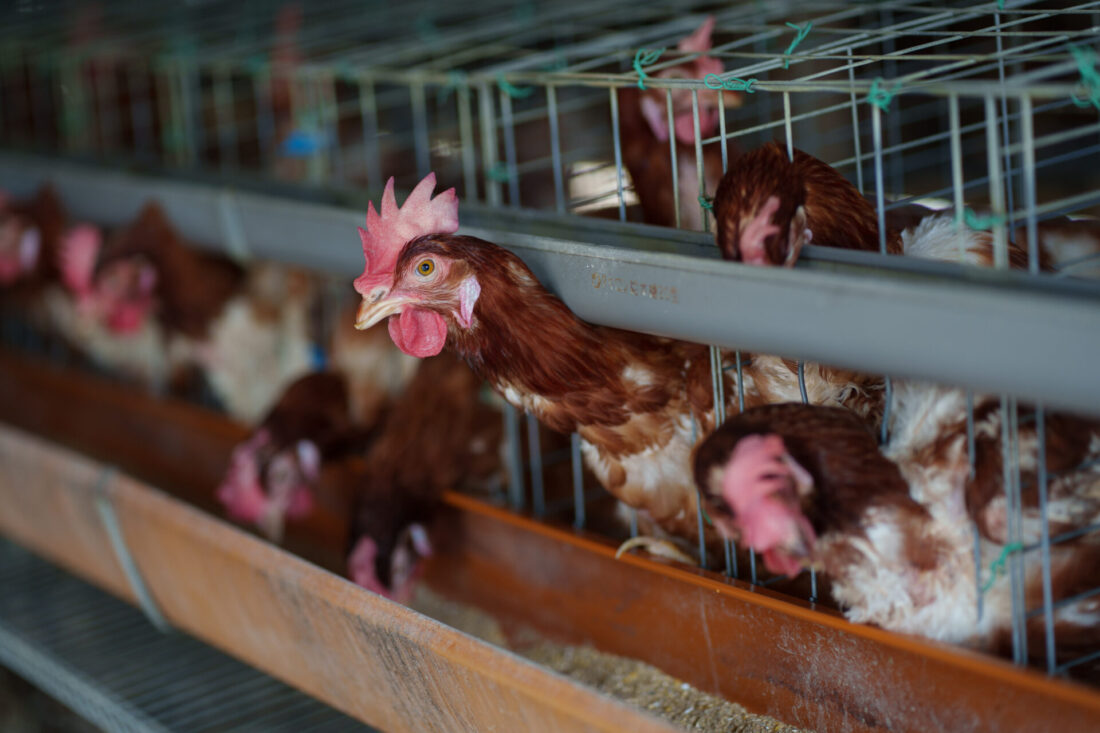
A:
(118, 293)
(413, 272)
(20, 244)
(760, 209)
(435, 287)
(266, 484)
(391, 563)
(759, 490)
(654, 103)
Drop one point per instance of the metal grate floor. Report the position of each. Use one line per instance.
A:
(99, 656)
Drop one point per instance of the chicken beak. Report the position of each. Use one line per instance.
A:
(371, 313)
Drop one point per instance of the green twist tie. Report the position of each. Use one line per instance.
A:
(513, 91)
(880, 96)
(713, 81)
(802, 32)
(984, 223)
(706, 203)
(499, 173)
(645, 58)
(455, 79)
(256, 63)
(1090, 78)
(997, 567)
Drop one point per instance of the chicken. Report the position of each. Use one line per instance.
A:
(148, 304)
(769, 205)
(272, 474)
(808, 486)
(321, 420)
(644, 134)
(440, 435)
(639, 402)
(29, 237)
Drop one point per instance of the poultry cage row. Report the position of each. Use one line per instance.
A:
(985, 110)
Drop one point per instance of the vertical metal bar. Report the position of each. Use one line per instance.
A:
(701, 528)
(996, 185)
(633, 522)
(419, 107)
(722, 135)
(698, 154)
(265, 115)
(578, 480)
(368, 112)
(1028, 135)
(718, 390)
(223, 105)
(855, 121)
(330, 105)
(618, 151)
(105, 90)
(515, 460)
(488, 143)
(806, 401)
(1009, 476)
(787, 124)
(534, 453)
(876, 133)
(510, 149)
(957, 185)
(1005, 123)
(141, 108)
(191, 112)
(890, 68)
(672, 153)
(555, 148)
(466, 133)
(1044, 536)
(38, 79)
(740, 409)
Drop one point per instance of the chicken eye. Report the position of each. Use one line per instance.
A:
(425, 268)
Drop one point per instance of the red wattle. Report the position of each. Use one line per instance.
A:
(417, 332)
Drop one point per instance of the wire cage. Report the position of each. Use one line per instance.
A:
(988, 110)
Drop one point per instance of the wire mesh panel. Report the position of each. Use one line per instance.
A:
(987, 111)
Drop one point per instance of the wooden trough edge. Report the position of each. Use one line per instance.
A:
(376, 660)
(774, 656)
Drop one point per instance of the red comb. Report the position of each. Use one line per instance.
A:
(388, 232)
(77, 257)
(700, 42)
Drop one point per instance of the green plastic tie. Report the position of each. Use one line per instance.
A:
(983, 223)
(455, 79)
(706, 203)
(513, 91)
(997, 567)
(1090, 77)
(645, 58)
(713, 81)
(880, 96)
(499, 173)
(802, 32)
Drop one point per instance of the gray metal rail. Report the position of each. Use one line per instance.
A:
(987, 330)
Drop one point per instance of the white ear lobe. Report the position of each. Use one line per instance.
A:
(468, 293)
(657, 117)
(29, 247)
(147, 279)
(309, 458)
(420, 542)
(798, 236)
